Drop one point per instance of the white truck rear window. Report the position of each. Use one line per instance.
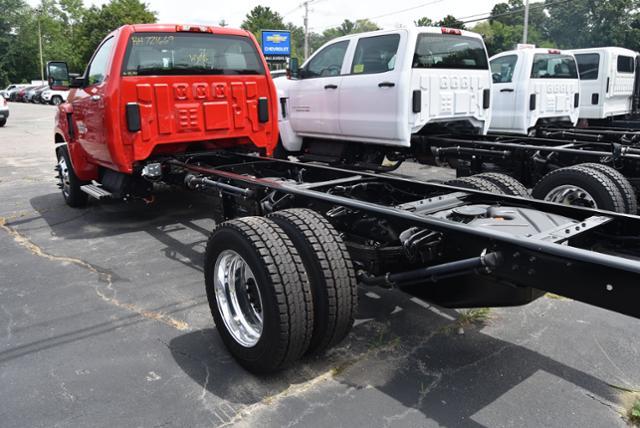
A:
(554, 66)
(190, 53)
(450, 52)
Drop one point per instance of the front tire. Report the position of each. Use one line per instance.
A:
(57, 100)
(258, 293)
(3, 122)
(328, 264)
(69, 182)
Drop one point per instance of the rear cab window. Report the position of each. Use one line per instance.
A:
(553, 66)
(626, 64)
(170, 54)
(375, 54)
(588, 66)
(447, 51)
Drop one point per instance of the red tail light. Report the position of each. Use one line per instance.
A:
(453, 31)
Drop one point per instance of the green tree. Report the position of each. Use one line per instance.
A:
(424, 22)
(97, 22)
(349, 27)
(262, 18)
(450, 21)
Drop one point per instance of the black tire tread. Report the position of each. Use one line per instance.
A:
(334, 315)
(508, 185)
(290, 284)
(624, 186)
(604, 181)
(475, 183)
(77, 198)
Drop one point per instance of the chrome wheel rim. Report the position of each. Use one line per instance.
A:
(571, 195)
(238, 298)
(63, 173)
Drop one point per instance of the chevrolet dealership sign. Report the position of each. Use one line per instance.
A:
(276, 43)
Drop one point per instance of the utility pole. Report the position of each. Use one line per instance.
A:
(306, 29)
(40, 45)
(525, 31)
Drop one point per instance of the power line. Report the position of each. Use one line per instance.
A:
(512, 12)
(389, 13)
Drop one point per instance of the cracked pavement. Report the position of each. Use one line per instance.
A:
(104, 322)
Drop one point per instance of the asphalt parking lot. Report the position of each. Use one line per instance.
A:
(104, 323)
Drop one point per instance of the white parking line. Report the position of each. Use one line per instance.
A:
(431, 308)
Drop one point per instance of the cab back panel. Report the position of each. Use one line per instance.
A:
(190, 109)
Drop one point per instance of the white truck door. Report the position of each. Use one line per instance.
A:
(591, 87)
(370, 91)
(504, 92)
(314, 97)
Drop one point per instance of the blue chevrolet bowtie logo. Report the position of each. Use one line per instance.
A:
(277, 38)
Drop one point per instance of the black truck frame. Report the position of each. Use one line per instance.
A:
(450, 246)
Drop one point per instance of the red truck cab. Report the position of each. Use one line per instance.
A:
(158, 89)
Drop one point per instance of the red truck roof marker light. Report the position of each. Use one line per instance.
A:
(554, 51)
(453, 31)
(194, 28)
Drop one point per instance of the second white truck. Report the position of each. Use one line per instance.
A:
(365, 96)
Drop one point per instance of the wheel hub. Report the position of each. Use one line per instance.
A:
(238, 298)
(63, 174)
(569, 194)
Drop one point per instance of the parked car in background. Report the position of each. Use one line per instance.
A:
(37, 97)
(30, 95)
(4, 111)
(22, 94)
(5, 92)
(12, 93)
(55, 97)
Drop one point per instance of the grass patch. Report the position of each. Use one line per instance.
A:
(630, 400)
(555, 296)
(634, 412)
(473, 316)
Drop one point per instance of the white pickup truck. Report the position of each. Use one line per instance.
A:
(607, 82)
(366, 96)
(533, 87)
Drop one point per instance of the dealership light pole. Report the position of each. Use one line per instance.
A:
(306, 29)
(40, 46)
(526, 22)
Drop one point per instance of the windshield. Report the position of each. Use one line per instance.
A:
(449, 51)
(189, 53)
(553, 66)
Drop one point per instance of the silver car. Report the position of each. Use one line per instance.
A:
(4, 111)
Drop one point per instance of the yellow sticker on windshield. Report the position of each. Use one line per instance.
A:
(358, 68)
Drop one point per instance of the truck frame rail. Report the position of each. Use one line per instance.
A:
(422, 237)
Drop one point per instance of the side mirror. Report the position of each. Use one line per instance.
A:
(76, 82)
(58, 75)
(293, 72)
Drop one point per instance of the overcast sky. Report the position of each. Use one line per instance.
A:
(323, 13)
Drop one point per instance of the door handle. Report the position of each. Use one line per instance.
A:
(386, 85)
(331, 86)
(506, 90)
(96, 97)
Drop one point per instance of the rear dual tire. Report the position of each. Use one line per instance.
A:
(588, 185)
(492, 182)
(299, 297)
